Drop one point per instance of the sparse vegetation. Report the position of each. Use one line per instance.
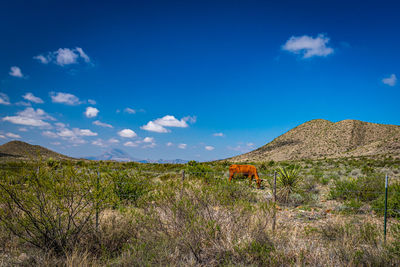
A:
(149, 216)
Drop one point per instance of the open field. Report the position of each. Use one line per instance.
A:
(129, 214)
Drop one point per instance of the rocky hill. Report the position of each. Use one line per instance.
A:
(321, 138)
(20, 150)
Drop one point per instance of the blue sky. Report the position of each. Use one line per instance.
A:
(195, 80)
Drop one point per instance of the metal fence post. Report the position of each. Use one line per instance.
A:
(274, 215)
(97, 200)
(385, 216)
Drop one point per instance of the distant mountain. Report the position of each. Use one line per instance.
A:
(171, 161)
(114, 154)
(120, 155)
(318, 139)
(21, 150)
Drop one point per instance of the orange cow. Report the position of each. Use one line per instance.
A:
(247, 170)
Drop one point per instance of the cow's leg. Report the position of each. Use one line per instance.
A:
(231, 173)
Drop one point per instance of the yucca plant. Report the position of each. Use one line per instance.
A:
(288, 181)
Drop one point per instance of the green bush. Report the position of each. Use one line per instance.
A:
(362, 188)
(52, 210)
(131, 187)
(393, 202)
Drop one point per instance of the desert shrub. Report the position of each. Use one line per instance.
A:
(131, 187)
(365, 188)
(197, 226)
(52, 210)
(393, 207)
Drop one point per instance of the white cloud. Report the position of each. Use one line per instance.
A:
(2, 136)
(32, 98)
(171, 121)
(113, 140)
(153, 127)
(218, 134)
(92, 102)
(148, 140)
(308, 46)
(13, 135)
(42, 59)
(209, 148)
(30, 117)
(22, 129)
(49, 134)
(66, 133)
(129, 110)
(64, 98)
(102, 124)
(99, 142)
(169, 144)
(4, 99)
(16, 72)
(91, 112)
(159, 124)
(64, 56)
(84, 132)
(131, 144)
(55, 143)
(182, 146)
(391, 80)
(83, 54)
(127, 133)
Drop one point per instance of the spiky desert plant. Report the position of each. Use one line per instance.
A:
(288, 181)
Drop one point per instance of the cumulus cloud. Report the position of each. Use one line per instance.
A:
(169, 144)
(102, 124)
(209, 148)
(153, 127)
(92, 102)
(129, 111)
(22, 129)
(16, 72)
(127, 133)
(2, 136)
(32, 98)
(74, 136)
(182, 146)
(171, 121)
(308, 46)
(147, 142)
(64, 56)
(64, 98)
(4, 99)
(91, 112)
(30, 117)
(13, 135)
(218, 134)
(391, 80)
(159, 124)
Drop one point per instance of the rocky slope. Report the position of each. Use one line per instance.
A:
(321, 138)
